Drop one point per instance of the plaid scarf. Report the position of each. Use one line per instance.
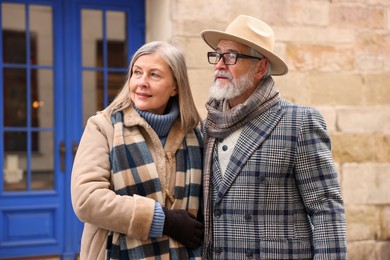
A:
(129, 155)
(218, 125)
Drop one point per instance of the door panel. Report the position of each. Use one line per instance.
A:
(62, 60)
(30, 188)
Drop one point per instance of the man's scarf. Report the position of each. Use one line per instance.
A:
(128, 156)
(218, 125)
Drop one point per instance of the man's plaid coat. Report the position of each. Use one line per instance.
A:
(279, 197)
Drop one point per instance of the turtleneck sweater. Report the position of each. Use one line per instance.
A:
(161, 124)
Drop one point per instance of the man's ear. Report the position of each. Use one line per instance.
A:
(261, 69)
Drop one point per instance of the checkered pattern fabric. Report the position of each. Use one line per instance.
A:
(134, 173)
(279, 197)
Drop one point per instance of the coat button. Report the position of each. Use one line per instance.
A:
(218, 250)
(224, 147)
(249, 254)
(248, 217)
(217, 213)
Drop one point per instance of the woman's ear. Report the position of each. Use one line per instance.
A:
(174, 92)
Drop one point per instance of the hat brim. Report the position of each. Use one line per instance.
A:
(212, 38)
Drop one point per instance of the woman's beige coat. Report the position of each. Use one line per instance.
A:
(95, 203)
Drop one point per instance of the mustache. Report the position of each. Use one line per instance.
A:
(222, 73)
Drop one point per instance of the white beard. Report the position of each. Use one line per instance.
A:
(234, 88)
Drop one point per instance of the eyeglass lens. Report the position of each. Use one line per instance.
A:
(228, 58)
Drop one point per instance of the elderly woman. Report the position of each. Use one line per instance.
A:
(136, 179)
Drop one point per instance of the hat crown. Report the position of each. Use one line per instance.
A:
(254, 30)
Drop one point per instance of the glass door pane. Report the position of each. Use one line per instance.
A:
(13, 28)
(116, 40)
(105, 57)
(28, 97)
(41, 25)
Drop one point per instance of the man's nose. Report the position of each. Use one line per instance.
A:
(220, 64)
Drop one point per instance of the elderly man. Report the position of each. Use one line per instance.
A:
(271, 189)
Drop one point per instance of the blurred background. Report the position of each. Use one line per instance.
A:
(61, 61)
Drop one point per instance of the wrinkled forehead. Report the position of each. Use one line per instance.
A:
(227, 45)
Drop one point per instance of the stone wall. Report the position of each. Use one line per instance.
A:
(338, 52)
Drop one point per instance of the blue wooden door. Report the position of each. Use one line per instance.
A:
(61, 61)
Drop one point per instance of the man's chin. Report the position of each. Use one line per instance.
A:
(218, 92)
(221, 83)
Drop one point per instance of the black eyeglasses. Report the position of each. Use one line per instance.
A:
(229, 58)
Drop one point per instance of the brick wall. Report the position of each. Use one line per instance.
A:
(338, 52)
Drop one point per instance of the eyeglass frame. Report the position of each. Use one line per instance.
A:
(222, 56)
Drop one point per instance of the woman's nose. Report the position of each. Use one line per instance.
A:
(143, 81)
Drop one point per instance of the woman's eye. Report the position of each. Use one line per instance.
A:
(137, 72)
(155, 75)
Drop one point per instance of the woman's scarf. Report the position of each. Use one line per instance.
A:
(218, 125)
(127, 157)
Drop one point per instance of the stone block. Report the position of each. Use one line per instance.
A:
(382, 145)
(386, 62)
(372, 42)
(285, 12)
(329, 114)
(364, 119)
(190, 17)
(362, 222)
(293, 87)
(305, 34)
(388, 15)
(385, 223)
(370, 63)
(320, 57)
(383, 250)
(335, 89)
(347, 148)
(357, 16)
(377, 90)
(366, 184)
(365, 2)
(362, 250)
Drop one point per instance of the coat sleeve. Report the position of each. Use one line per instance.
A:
(319, 187)
(93, 199)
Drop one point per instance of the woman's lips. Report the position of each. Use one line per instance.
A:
(143, 95)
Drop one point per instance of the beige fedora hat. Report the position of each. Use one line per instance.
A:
(253, 33)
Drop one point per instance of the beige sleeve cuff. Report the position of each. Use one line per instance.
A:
(142, 218)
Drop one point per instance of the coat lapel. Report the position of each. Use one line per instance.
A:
(251, 137)
(216, 177)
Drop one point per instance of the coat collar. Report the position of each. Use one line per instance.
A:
(258, 130)
(175, 136)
